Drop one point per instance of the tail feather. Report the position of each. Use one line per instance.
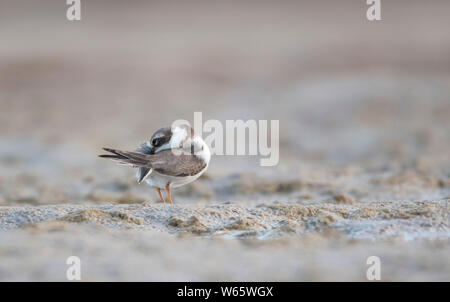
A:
(112, 156)
(134, 159)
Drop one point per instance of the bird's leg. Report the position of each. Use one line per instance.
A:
(168, 193)
(160, 195)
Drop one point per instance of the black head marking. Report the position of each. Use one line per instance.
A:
(161, 137)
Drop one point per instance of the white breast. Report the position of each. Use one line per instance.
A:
(159, 180)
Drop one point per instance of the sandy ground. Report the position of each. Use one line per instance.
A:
(364, 114)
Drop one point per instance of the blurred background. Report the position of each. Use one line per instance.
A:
(346, 90)
(364, 111)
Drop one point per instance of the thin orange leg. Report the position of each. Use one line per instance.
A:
(168, 193)
(160, 195)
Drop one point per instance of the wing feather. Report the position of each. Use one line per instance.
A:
(168, 163)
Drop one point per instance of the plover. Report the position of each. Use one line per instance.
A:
(173, 157)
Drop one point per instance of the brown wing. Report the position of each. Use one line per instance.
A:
(167, 163)
(164, 162)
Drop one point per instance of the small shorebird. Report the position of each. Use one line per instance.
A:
(172, 158)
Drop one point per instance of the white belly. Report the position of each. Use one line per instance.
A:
(158, 180)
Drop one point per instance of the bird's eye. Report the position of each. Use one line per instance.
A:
(155, 142)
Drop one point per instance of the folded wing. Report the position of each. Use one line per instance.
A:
(164, 162)
(168, 163)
